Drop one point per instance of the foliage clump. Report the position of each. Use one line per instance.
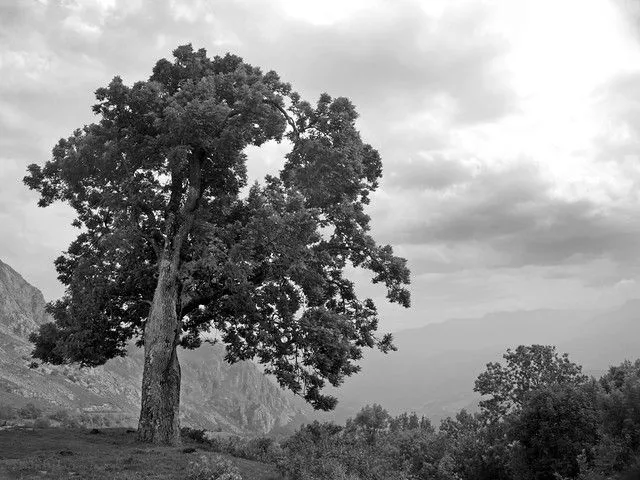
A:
(373, 445)
(262, 449)
(30, 411)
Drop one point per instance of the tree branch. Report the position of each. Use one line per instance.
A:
(288, 118)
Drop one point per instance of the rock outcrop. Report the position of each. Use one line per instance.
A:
(21, 304)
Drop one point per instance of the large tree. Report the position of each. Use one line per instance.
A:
(171, 245)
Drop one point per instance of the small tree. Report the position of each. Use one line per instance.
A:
(526, 368)
(369, 422)
(168, 248)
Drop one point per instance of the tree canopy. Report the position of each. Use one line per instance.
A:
(160, 176)
(528, 367)
(556, 425)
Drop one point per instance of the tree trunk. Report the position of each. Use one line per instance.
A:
(159, 415)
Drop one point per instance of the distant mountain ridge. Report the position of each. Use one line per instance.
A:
(215, 395)
(434, 369)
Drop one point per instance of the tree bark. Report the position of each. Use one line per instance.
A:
(159, 416)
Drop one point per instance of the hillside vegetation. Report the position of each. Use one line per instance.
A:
(540, 418)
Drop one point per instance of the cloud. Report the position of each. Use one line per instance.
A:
(31, 237)
(399, 58)
(505, 216)
(486, 179)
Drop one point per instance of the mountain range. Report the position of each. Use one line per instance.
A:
(434, 369)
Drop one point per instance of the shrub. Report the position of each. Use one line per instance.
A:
(263, 449)
(61, 416)
(325, 451)
(195, 434)
(86, 420)
(212, 468)
(42, 423)
(106, 421)
(7, 412)
(30, 411)
(72, 422)
(66, 418)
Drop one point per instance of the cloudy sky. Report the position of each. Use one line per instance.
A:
(509, 130)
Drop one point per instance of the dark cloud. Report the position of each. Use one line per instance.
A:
(511, 217)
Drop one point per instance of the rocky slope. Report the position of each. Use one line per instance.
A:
(21, 304)
(215, 395)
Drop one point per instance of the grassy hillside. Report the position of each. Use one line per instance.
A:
(113, 454)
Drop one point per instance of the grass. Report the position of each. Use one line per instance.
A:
(114, 454)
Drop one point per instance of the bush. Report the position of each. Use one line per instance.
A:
(65, 418)
(30, 411)
(212, 468)
(325, 451)
(42, 423)
(195, 434)
(72, 422)
(61, 416)
(263, 449)
(105, 421)
(7, 412)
